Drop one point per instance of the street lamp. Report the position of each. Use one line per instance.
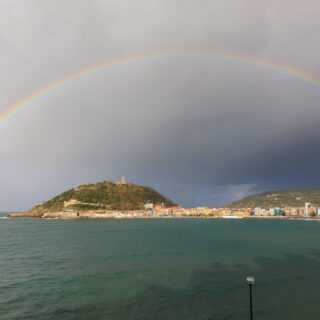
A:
(250, 282)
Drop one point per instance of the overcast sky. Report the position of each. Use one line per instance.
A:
(202, 129)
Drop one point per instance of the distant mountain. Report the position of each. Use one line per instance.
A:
(103, 196)
(281, 198)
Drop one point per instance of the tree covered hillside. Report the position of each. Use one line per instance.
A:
(105, 196)
(283, 198)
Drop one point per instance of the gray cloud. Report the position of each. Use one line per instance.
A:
(204, 130)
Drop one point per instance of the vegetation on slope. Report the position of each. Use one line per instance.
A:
(282, 198)
(105, 196)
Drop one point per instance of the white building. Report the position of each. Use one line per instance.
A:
(261, 212)
(306, 209)
(148, 206)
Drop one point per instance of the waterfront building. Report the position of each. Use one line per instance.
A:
(257, 211)
(306, 209)
(149, 206)
(261, 212)
(279, 212)
(294, 211)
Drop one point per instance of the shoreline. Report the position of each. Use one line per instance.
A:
(138, 215)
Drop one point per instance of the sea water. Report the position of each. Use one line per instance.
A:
(158, 269)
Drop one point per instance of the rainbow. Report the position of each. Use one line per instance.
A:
(288, 69)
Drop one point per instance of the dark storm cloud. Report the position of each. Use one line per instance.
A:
(42, 41)
(203, 130)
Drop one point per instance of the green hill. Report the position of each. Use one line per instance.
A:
(281, 198)
(103, 196)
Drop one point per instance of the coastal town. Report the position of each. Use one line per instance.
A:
(153, 211)
(308, 211)
(160, 211)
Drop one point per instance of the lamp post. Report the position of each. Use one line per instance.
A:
(250, 282)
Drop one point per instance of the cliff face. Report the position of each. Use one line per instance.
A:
(102, 196)
(282, 198)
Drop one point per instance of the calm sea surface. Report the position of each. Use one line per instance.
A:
(158, 269)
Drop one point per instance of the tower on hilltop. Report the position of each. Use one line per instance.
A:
(122, 181)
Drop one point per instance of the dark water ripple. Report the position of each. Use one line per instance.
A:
(166, 269)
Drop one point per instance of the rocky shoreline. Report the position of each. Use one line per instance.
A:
(80, 214)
